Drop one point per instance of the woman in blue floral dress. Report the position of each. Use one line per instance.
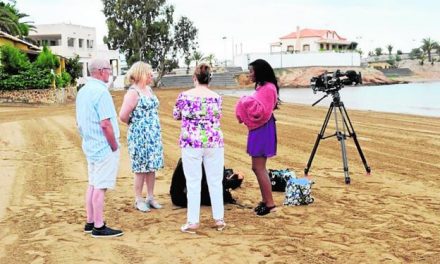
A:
(140, 111)
(201, 139)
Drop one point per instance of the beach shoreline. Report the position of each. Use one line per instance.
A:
(389, 216)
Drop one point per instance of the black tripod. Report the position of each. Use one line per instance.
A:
(340, 135)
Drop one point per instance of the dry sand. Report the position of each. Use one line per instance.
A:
(392, 216)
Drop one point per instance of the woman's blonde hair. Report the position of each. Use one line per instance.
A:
(137, 70)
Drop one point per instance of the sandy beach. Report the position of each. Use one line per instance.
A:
(391, 216)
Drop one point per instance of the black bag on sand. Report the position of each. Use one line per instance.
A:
(178, 186)
(279, 179)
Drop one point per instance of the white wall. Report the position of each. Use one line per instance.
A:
(312, 42)
(68, 31)
(278, 60)
(77, 32)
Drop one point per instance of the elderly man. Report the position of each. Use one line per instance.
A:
(98, 127)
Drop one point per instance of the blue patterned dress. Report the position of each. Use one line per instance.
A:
(144, 135)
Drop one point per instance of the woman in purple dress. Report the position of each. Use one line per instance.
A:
(256, 112)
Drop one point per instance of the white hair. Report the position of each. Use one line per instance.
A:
(98, 64)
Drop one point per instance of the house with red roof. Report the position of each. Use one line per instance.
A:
(313, 40)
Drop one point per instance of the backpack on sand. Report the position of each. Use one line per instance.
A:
(279, 178)
(178, 186)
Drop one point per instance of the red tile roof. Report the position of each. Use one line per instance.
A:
(307, 33)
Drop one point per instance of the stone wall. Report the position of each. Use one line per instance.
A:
(39, 96)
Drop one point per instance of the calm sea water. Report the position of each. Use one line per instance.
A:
(414, 98)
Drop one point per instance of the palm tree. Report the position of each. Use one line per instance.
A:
(428, 46)
(390, 49)
(188, 60)
(10, 21)
(7, 20)
(197, 57)
(210, 58)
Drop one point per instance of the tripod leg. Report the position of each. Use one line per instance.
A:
(318, 139)
(353, 135)
(341, 138)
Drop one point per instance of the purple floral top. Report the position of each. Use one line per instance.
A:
(200, 121)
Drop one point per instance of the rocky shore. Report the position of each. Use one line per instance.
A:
(300, 77)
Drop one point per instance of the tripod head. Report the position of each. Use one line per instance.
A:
(334, 94)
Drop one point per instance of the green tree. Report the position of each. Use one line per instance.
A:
(210, 59)
(415, 54)
(390, 49)
(13, 60)
(74, 68)
(145, 30)
(47, 60)
(422, 58)
(11, 20)
(170, 65)
(399, 52)
(188, 60)
(427, 46)
(378, 51)
(352, 46)
(197, 57)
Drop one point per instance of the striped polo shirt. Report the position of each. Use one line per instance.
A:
(94, 104)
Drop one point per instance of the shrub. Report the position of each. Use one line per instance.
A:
(59, 82)
(47, 60)
(415, 54)
(13, 60)
(74, 68)
(31, 78)
(66, 77)
(62, 80)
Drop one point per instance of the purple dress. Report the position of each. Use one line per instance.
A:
(262, 141)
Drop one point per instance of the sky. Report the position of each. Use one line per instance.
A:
(228, 27)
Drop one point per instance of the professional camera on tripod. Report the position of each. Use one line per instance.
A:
(334, 81)
(331, 83)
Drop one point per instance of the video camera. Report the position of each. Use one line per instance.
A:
(331, 82)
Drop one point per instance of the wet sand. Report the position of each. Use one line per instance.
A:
(391, 216)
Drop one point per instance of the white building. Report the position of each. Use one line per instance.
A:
(306, 48)
(312, 40)
(69, 40)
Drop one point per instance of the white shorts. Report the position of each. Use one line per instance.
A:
(102, 174)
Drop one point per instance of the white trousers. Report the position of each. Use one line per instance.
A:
(213, 161)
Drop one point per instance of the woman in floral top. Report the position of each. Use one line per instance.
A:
(201, 139)
(144, 140)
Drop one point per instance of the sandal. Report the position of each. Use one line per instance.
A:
(220, 224)
(189, 228)
(258, 208)
(264, 210)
